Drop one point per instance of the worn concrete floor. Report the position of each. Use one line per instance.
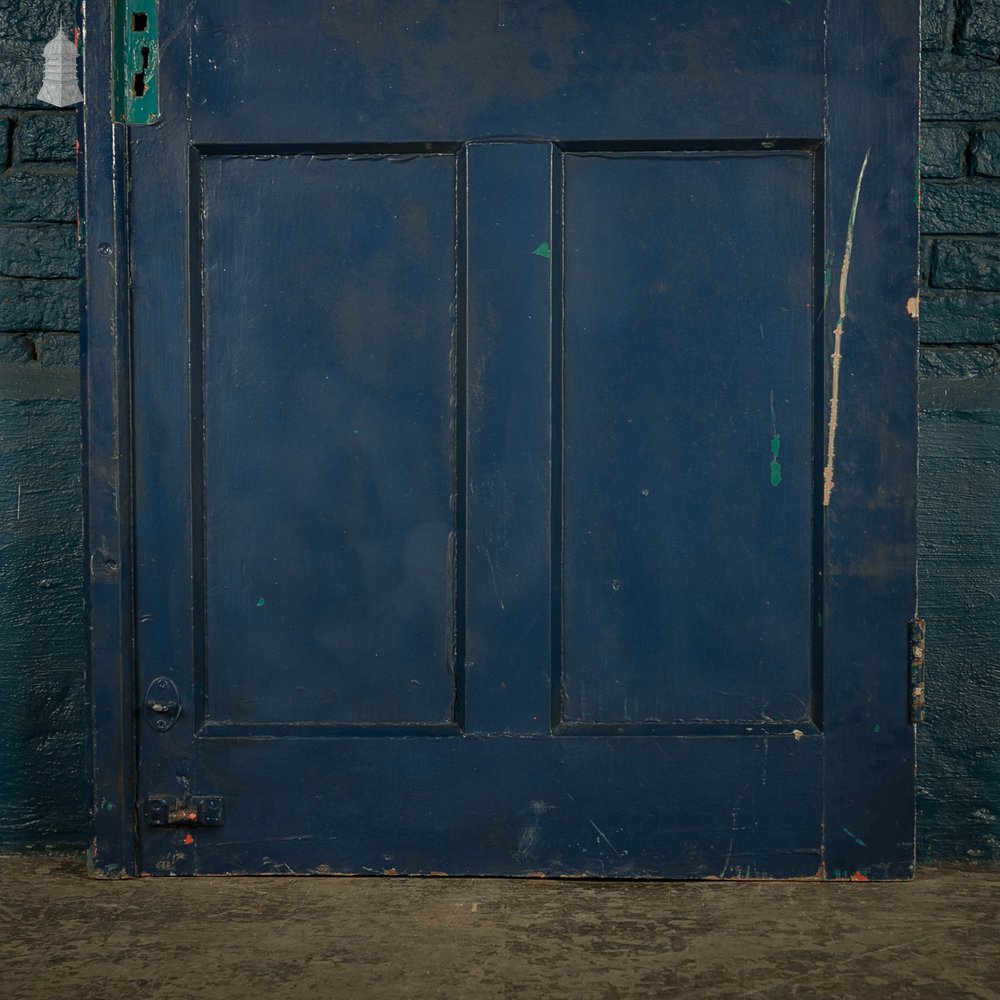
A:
(65, 937)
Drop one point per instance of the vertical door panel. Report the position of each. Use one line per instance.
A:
(688, 434)
(328, 387)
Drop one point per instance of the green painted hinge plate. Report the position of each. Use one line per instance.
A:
(136, 55)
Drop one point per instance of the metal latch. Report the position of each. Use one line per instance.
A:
(198, 810)
(918, 652)
(162, 704)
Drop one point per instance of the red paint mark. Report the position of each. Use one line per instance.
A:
(189, 839)
(76, 36)
(192, 816)
(858, 877)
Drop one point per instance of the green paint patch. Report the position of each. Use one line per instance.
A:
(543, 250)
(136, 63)
(857, 840)
(775, 464)
(261, 602)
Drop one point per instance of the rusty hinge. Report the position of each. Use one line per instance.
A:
(918, 652)
(198, 810)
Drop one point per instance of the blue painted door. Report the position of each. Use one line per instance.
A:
(520, 399)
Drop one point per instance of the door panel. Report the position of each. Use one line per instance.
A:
(522, 806)
(443, 69)
(457, 449)
(329, 437)
(688, 428)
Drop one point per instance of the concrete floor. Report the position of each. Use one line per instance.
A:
(65, 937)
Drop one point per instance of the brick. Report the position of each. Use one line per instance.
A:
(926, 249)
(32, 304)
(979, 29)
(38, 194)
(942, 151)
(960, 208)
(20, 73)
(58, 349)
(959, 317)
(46, 136)
(986, 153)
(968, 264)
(6, 126)
(16, 349)
(36, 20)
(935, 24)
(962, 95)
(39, 251)
(961, 363)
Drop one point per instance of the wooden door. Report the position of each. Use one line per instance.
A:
(502, 457)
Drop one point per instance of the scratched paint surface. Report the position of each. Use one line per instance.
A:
(678, 339)
(504, 630)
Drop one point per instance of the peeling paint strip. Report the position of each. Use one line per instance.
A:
(775, 449)
(838, 334)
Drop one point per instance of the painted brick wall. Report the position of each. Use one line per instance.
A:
(41, 613)
(41, 628)
(959, 748)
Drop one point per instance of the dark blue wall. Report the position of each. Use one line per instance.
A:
(41, 622)
(41, 600)
(959, 748)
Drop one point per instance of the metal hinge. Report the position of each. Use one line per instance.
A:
(198, 810)
(918, 652)
(136, 62)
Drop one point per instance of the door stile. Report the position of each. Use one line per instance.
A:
(107, 459)
(869, 519)
(509, 385)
